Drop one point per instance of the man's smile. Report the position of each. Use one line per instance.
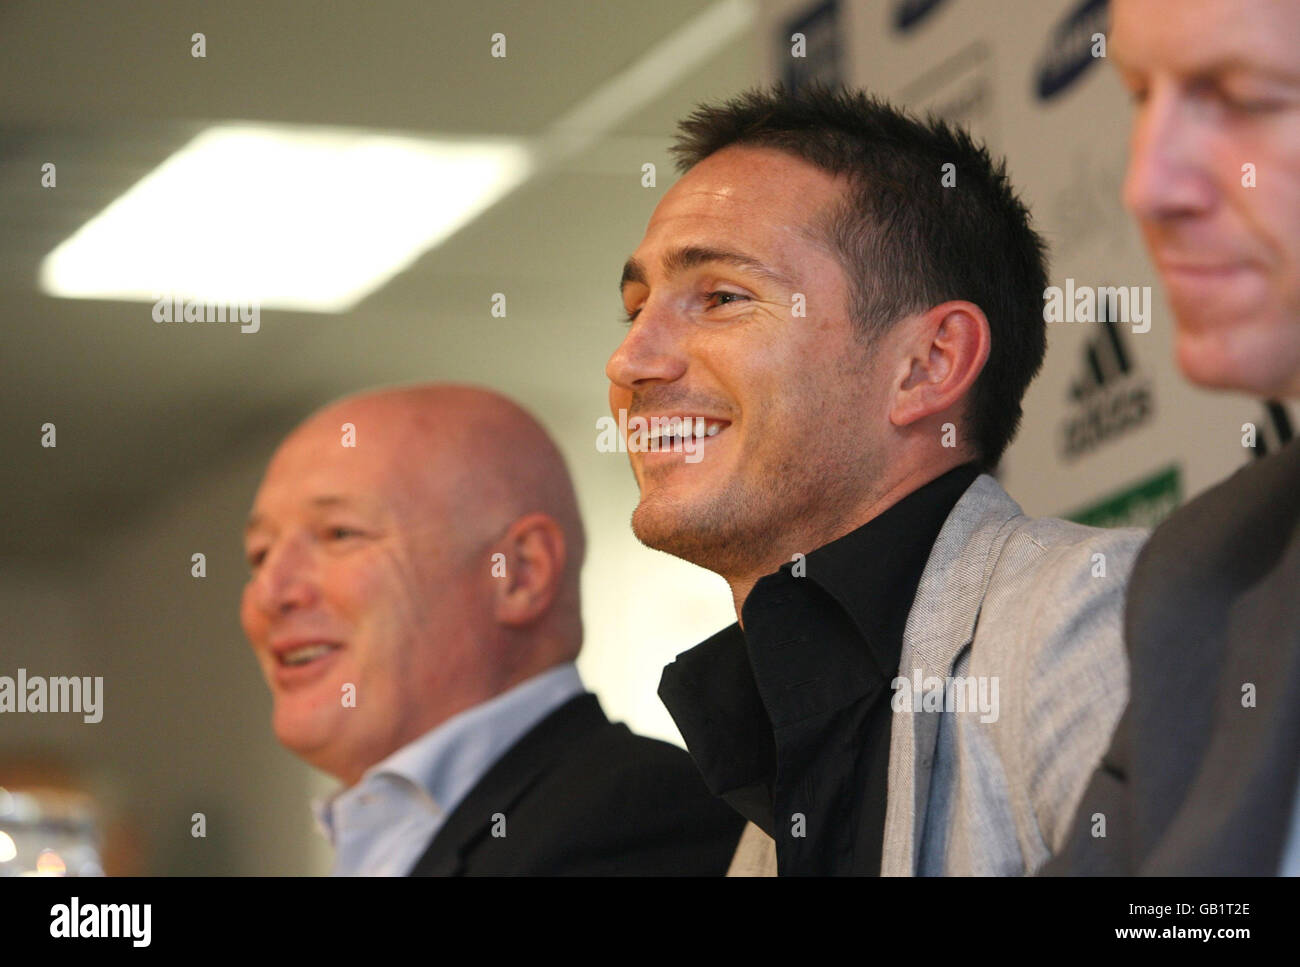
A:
(301, 661)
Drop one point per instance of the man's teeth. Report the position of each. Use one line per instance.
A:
(674, 431)
(300, 656)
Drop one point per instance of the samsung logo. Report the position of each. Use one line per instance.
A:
(909, 13)
(1069, 50)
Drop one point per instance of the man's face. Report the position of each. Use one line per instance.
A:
(352, 585)
(1216, 85)
(740, 317)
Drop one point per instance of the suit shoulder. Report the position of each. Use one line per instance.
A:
(1062, 585)
(616, 802)
(1249, 516)
(1065, 560)
(1055, 535)
(620, 751)
(625, 771)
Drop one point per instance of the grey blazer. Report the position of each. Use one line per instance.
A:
(1033, 608)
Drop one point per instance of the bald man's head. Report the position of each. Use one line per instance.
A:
(413, 552)
(467, 451)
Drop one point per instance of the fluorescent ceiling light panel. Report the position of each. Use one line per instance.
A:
(291, 218)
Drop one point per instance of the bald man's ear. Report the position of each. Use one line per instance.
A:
(527, 580)
(943, 352)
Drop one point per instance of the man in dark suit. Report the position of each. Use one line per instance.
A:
(584, 796)
(414, 605)
(1202, 774)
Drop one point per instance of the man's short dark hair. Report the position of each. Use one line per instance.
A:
(906, 241)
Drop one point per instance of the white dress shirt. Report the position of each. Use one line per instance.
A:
(382, 825)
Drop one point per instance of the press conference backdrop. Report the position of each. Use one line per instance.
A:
(1112, 433)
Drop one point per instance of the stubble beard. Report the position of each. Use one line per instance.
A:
(792, 504)
(780, 501)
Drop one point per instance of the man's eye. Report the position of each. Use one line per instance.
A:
(1243, 105)
(1237, 102)
(255, 558)
(630, 317)
(727, 295)
(342, 533)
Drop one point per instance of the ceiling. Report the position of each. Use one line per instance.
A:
(107, 91)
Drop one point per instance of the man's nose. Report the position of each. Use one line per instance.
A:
(650, 352)
(1168, 171)
(286, 579)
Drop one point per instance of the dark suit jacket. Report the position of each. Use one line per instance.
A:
(1196, 780)
(579, 795)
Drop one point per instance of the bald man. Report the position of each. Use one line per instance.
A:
(414, 604)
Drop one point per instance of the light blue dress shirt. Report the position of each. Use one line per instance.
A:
(383, 824)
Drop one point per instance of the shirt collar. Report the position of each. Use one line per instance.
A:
(445, 763)
(873, 569)
(872, 573)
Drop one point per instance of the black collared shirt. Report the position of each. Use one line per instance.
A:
(789, 719)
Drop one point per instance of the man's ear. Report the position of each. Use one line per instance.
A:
(527, 576)
(944, 350)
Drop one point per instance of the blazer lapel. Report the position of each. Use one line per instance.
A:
(506, 782)
(940, 625)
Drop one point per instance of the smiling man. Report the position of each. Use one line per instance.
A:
(414, 605)
(1202, 775)
(849, 334)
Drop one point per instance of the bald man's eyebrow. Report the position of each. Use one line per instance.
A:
(325, 502)
(693, 256)
(332, 501)
(369, 508)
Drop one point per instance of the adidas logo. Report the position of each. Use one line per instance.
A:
(1104, 360)
(1108, 396)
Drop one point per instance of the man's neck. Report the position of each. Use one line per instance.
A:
(811, 539)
